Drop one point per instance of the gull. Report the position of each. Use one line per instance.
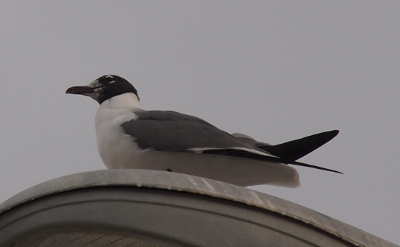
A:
(129, 137)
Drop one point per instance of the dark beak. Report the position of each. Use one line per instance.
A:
(80, 90)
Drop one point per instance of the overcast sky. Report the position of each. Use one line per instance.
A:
(275, 70)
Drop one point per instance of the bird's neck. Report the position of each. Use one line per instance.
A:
(123, 101)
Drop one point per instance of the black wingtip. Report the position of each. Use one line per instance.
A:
(315, 167)
(294, 150)
(333, 133)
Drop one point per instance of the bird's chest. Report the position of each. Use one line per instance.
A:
(116, 149)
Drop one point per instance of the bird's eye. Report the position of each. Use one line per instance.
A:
(109, 79)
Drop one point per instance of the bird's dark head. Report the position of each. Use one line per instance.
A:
(104, 88)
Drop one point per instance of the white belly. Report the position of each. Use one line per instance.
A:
(235, 170)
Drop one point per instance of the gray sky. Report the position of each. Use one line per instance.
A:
(274, 70)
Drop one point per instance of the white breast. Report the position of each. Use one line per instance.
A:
(117, 149)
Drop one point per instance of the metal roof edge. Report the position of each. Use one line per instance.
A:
(195, 185)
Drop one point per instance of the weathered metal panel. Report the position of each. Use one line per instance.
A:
(155, 208)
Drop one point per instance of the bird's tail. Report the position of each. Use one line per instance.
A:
(294, 150)
(289, 152)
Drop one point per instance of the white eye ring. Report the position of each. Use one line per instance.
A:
(109, 76)
(111, 82)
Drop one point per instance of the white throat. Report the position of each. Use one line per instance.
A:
(118, 109)
(123, 101)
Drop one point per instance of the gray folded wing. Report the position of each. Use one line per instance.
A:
(173, 131)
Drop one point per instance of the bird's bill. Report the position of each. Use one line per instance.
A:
(80, 90)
